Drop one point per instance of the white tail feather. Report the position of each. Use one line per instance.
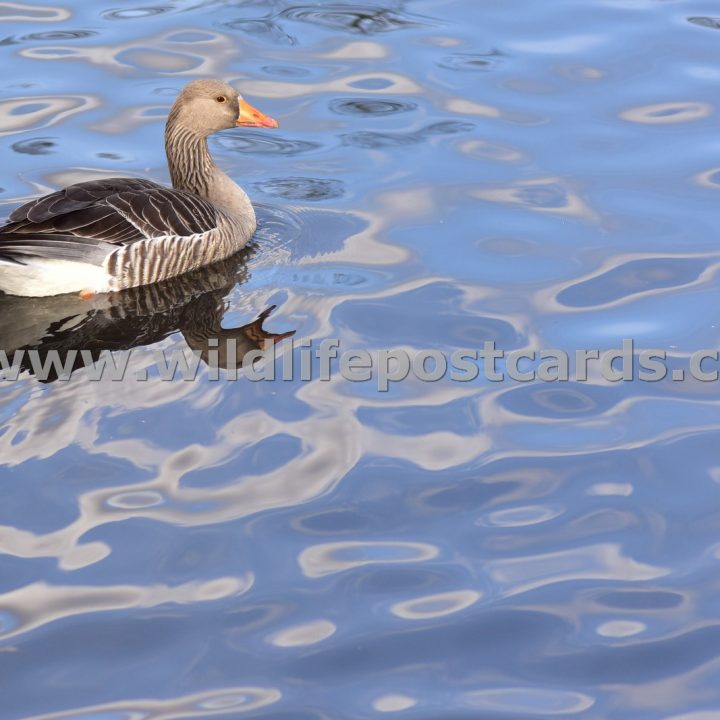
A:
(41, 277)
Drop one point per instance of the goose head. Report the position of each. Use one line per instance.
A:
(207, 106)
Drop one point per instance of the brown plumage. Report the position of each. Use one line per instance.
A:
(107, 235)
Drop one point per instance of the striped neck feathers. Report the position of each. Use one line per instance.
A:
(193, 170)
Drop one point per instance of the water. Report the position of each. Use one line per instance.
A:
(544, 175)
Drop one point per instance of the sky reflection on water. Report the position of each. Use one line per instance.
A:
(446, 172)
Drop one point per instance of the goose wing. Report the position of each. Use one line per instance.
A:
(94, 216)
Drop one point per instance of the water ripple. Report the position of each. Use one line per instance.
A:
(469, 62)
(633, 278)
(371, 106)
(352, 18)
(603, 561)
(31, 112)
(59, 35)
(329, 558)
(548, 195)
(709, 22)
(435, 606)
(668, 113)
(288, 71)
(393, 703)
(302, 188)
(198, 705)
(20, 12)
(521, 516)
(39, 604)
(138, 12)
(537, 175)
(621, 628)
(35, 146)
(263, 28)
(135, 500)
(529, 701)
(376, 140)
(709, 178)
(309, 633)
(260, 144)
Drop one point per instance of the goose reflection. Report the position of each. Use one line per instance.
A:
(193, 304)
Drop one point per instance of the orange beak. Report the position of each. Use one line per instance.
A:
(252, 117)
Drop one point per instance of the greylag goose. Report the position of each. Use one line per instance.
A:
(108, 235)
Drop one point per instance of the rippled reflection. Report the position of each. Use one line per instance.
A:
(393, 703)
(621, 628)
(192, 304)
(261, 144)
(35, 146)
(377, 140)
(39, 604)
(203, 52)
(668, 113)
(264, 28)
(632, 278)
(606, 561)
(205, 704)
(330, 558)
(446, 174)
(467, 62)
(22, 113)
(305, 634)
(538, 701)
(434, 606)
(299, 188)
(58, 35)
(363, 19)
(542, 195)
(17, 12)
(370, 107)
(708, 22)
(137, 13)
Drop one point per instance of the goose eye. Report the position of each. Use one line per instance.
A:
(221, 99)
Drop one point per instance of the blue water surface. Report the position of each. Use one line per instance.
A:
(446, 173)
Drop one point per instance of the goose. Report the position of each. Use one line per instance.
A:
(112, 234)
